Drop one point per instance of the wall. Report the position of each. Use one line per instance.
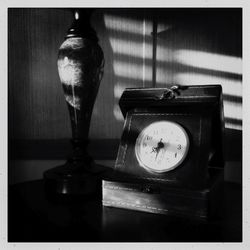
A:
(36, 101)
(193, 47)
(203, 47)
(36, 105)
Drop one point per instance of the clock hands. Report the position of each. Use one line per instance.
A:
(157, 149)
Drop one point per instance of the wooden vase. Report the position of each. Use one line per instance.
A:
(80, 67)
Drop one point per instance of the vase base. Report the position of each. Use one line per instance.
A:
(73, 180)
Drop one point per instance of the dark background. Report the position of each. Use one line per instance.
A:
(193, 46)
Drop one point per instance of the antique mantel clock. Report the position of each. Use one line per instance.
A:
(171, 147)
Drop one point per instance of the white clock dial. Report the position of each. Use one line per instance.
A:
(162, 146)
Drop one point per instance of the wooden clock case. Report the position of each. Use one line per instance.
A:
(193, 187)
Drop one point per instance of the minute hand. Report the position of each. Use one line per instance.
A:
(157, 152)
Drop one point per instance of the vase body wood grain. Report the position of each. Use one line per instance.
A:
(80, 67)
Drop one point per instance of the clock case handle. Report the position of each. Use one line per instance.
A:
(170, 93)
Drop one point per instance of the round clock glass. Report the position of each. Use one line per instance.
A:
(162, 146)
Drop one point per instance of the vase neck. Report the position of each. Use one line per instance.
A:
(81, 26)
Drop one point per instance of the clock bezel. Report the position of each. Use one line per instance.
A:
(139, 140)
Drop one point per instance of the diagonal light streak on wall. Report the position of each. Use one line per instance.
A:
(122, 47)
(123, 24)
(210, 61)
(233, 110)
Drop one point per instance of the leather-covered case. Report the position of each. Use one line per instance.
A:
(152, 197)
(189, 189)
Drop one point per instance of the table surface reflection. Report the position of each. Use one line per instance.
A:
(32, 217)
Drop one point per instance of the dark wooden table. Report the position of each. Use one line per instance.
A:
(32, 217)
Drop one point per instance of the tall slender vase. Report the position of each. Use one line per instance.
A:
(80, 66)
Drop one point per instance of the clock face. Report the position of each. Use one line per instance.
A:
(162, 146)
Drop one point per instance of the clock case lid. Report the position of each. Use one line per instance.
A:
(206, 99)
(172, 96)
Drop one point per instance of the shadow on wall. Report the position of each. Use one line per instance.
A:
(35, 96)
(123, 33)
(204, 47)
(194, 47)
